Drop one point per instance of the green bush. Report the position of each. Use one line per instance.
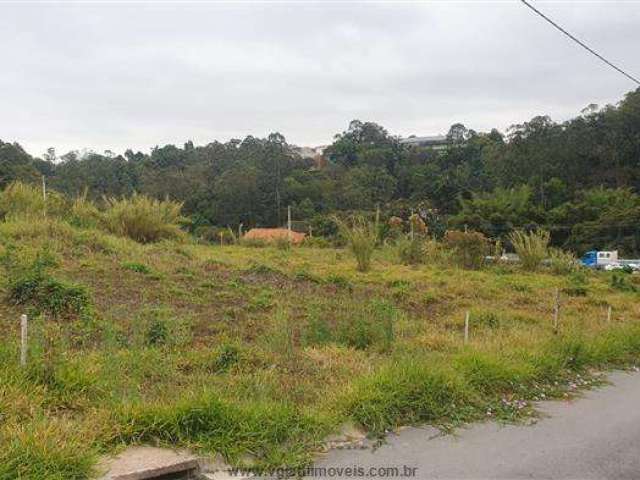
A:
(532, 247)
(577, 287)
(143, 219)
(470, 248)
(34, 286)
(620, 282)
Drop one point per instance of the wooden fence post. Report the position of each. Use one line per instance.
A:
(23, 340)
(609, 309)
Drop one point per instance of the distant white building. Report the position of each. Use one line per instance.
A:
(310, 152)
(433, 141)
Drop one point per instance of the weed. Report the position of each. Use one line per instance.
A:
(263, 300)
(532, 247)
(318, 330)
(157, 332)
(339, 281)
(361, 237)
(304, 275)
(136, 267)
(227, 355)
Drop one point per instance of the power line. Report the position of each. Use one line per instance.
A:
(582, 44)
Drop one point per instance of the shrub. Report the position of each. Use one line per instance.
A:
(411, 251)
(361, 238)
(469, 248)
(143, 219)
(532, 247)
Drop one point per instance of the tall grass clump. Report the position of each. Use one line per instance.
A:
(361, 237)
(83, 212)
(562, 262)
(21, 200)
(143, 219)
(46, 449)
(409, 392)
(532, 247)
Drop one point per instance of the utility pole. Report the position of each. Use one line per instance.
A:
(289, 222)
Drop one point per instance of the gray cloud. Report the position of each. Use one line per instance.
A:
(118, 75)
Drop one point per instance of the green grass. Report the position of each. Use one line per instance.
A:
(259, 353)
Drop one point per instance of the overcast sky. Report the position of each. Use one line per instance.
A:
(135, 75)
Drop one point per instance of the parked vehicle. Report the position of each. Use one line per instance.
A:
(608, 260)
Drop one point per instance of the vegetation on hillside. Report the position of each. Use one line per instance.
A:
(259, 352)
(578, 179)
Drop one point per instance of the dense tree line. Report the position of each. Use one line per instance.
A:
(580, 179)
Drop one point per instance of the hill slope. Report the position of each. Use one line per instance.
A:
(259, 353)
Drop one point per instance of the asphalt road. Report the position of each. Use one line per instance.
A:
(597, 436)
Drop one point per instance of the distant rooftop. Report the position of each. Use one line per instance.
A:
(424, 140)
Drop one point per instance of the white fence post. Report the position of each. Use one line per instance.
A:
(466, 328)
(556, 312)
(23, 340)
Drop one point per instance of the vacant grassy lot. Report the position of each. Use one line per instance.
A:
(260, 353)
